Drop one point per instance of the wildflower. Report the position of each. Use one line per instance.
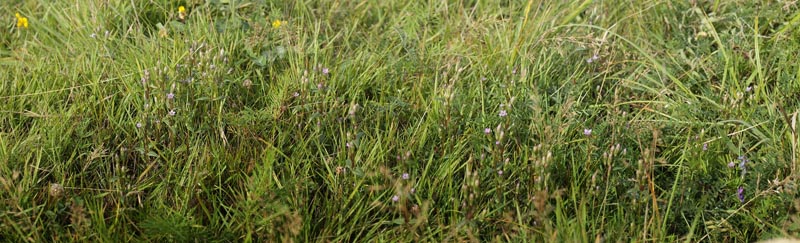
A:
(325, 71)
(22, 22)
(503, 113)
(731, 164)
(247, 83)
(319, 86)
(497, 142)
(749, 88)
(170, 96)
(276, 24)
(740, 194)
(395, 198)
(487, 131)
(587, 132)
(413, 190)
(171, 112)
(405, 176)
(500, 172)
(93, 35)
(138, 125)
(705, 146)
(296, 94)
(182, 12)
(743, 160)
(483, 78)
(348, 145)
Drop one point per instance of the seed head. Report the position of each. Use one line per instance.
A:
(56, 190)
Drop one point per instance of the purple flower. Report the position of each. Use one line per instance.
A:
(170, 96)
(171, 112)
(348, 145)
(595, 57)
(395, 198)
(749, 88)
(503, 113)
(325, 71)
(497, 142)
(743, 159)
(705, 146)
(296, 94)
(319, 85)
(138, 125)
(731, 164)
(500, 172)
(740, 194)
(487, 131)
(413, 190)
(587, 132)
(405, 176)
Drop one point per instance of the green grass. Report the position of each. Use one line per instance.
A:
(304, 131)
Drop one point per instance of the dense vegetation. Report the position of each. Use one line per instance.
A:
(393, 120)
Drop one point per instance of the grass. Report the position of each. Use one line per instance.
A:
(350, 121)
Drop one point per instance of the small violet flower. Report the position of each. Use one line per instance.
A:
(405, 176)
(587, 132)
(171, 112)
(705, 146)
(500, 172)
(503, 113)
(743, 159)
(325, 71)
(395, 198)
(138, 125)
(170, 96)
(740, 194)
(487, 131)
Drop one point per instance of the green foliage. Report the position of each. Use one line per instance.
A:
(543, 121)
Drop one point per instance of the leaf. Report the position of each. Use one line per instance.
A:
(399, 221)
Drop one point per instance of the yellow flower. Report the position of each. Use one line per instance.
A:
(182, 12)
(276, 24)
(22, 22)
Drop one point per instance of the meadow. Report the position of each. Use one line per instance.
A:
(399, 121)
